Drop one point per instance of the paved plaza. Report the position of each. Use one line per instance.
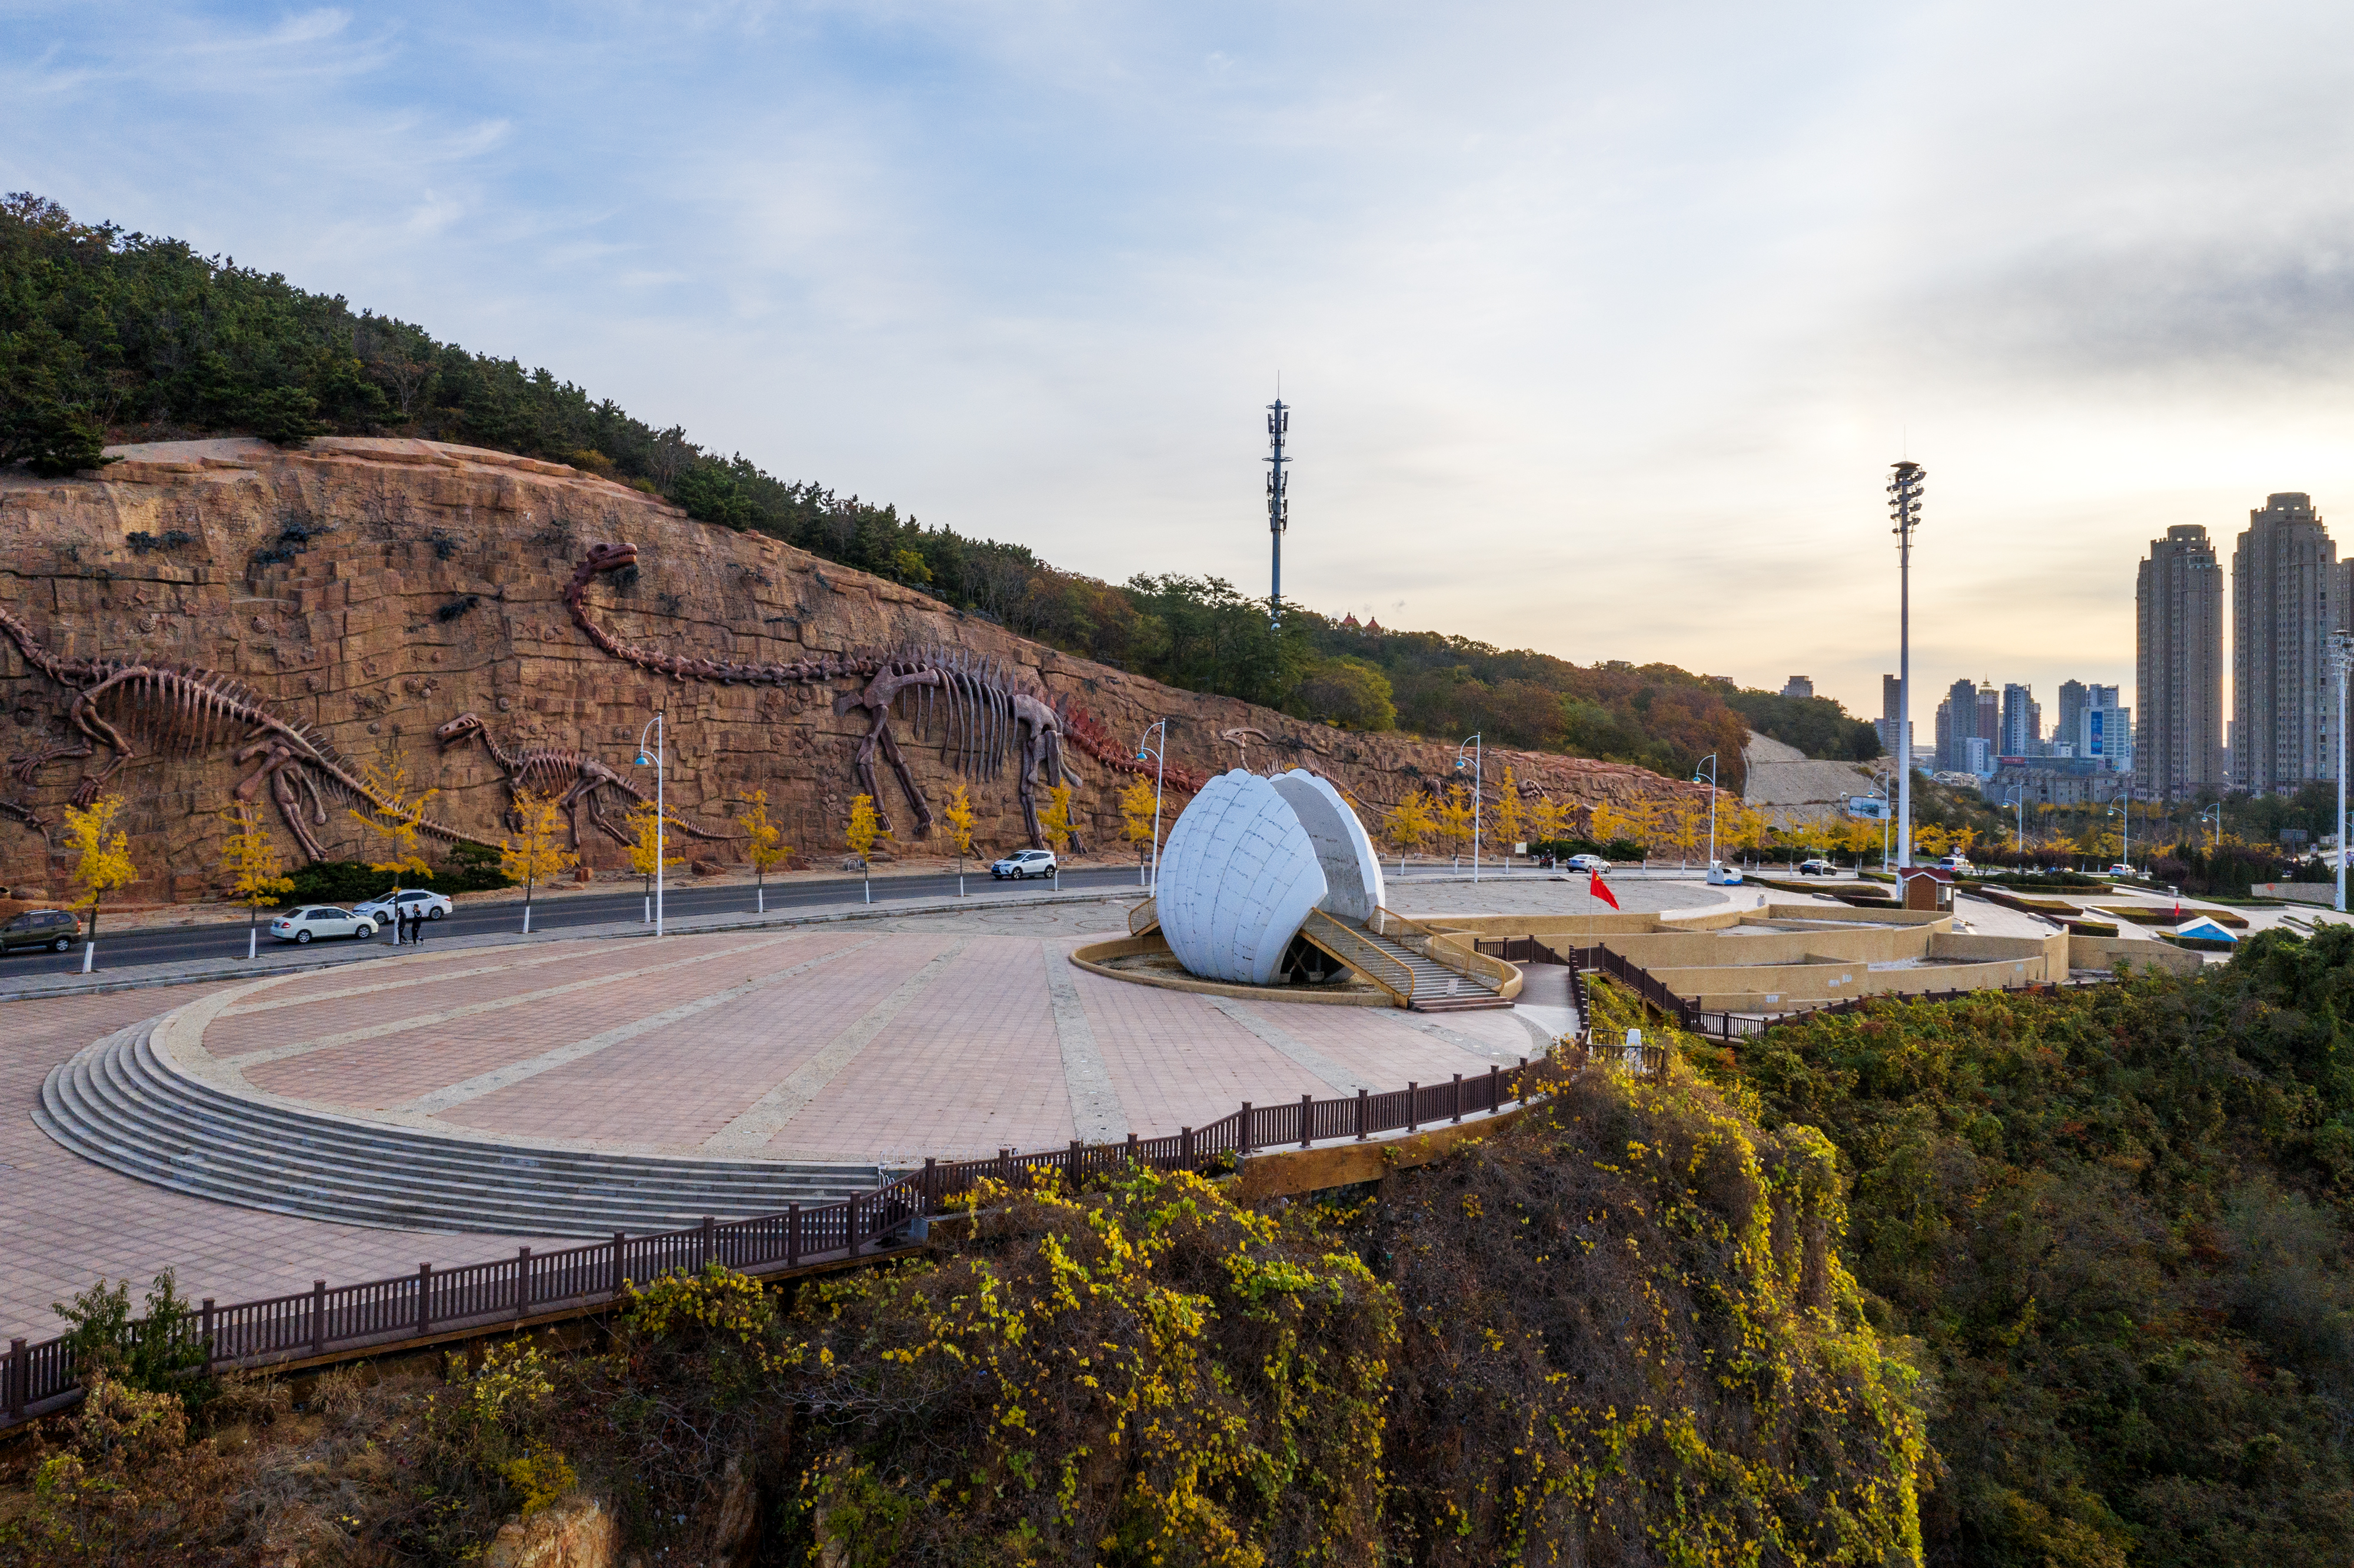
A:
(870, 1041)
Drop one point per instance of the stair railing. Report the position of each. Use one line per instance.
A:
(1476, 967)
(1345, 944)
(1142, 918)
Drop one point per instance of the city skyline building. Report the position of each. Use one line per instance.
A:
(2284, 704)
(2179, 663)
(2022, 721)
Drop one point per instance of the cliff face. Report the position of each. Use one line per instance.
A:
(369, 592)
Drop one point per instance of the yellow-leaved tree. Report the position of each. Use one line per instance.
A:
(257, 875)
(1139, 820)
(394, 817)
(1454, 820)
(864, 830)
(1549, 820)
(538, 851)
(1509, 818)
(651, 837)
(102, 855)
(957, 815)
(1054, 822)
(1686, 824)
(764, 845)
(1410, 825)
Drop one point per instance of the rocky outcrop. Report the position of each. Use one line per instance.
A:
(576, 1530)
(369, 592)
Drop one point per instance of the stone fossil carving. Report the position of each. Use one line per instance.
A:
(976, 707)
(181, 711)
(576, 779)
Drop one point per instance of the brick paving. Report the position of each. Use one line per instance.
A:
(66, 1222)
(931, 1035)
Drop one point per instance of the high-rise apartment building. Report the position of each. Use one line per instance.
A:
(2178, 662)
(1892, 714)
(2022, 722)
(1957, 721)
(2284, 575)
(2072, 717)
(1989, 707)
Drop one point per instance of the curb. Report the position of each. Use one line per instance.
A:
(200, 971)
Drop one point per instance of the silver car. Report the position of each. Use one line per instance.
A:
(1024, 864)
(409, 901)
(314, 921)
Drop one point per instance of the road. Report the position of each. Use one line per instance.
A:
(162, 944)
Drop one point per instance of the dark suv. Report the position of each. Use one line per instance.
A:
(51, 928)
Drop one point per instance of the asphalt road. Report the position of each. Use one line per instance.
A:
(132, 946)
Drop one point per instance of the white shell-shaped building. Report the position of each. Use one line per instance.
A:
(1248, 860)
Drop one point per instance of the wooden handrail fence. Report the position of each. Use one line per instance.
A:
(386, 1314)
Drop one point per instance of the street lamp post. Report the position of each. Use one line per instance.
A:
(2019, 789)
(2341, 655)
(656, 725)
(1709, 763)
(1904, 511)
(1160, 767)
(1477, 764)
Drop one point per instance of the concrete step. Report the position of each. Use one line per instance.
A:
(121, 1105)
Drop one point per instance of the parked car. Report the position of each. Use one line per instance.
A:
(404, 901)
(1592, 862)
(1024, 864)
(315, 920)
(2121, 869)
(52, 928)
(1818, 867)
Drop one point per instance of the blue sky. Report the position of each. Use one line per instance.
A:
(1602, 322)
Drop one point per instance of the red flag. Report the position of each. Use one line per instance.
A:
(1600, 890)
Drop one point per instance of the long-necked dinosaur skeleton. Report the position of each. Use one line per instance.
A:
(575, 777)
(181, 711)
(978, 709)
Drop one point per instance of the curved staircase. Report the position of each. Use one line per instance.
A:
(121, 1103)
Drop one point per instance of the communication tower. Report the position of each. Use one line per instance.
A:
(1278, 503)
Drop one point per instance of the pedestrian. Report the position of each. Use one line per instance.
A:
(407, 923)
(416, 932)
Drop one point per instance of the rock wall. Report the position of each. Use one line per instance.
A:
(372, 590)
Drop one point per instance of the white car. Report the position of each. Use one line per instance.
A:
(315, 920)
(1024, 864)
(404, 901)
(1590, 863)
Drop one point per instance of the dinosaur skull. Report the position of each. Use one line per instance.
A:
(611, 557)
(458, 728)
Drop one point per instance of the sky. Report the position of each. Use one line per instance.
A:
(1602, 324)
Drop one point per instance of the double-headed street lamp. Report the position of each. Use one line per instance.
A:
(1160, 755)
(1904, 511)
(656, 758)
(1477, 762)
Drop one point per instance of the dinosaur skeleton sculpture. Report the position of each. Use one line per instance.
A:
(976, 706)
(575, 777)
(181, 711)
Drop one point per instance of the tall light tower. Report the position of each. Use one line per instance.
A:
(1278, 504)
(1904, 511)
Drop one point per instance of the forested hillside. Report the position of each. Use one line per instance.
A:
(108, 336)
(2120, 1223)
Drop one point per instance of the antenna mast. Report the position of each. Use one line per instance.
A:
(1278, 504)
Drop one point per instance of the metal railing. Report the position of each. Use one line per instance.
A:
(384, 1314)
(1348, 945)
(1423, 942)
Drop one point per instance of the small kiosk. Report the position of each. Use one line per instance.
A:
(1927, 888)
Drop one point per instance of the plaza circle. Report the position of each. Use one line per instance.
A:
(838, 1043)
